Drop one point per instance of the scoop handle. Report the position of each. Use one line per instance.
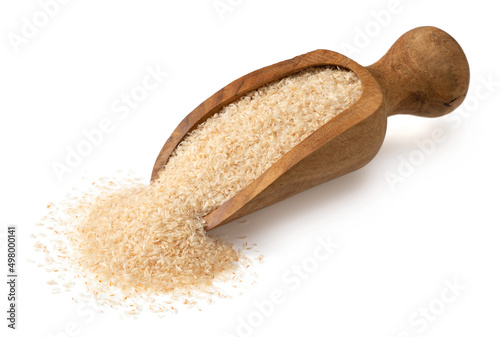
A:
(425, 73)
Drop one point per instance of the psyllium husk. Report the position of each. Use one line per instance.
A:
(131, 245)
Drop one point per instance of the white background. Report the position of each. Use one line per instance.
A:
(398, 245)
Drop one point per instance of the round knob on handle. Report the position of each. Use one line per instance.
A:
(425, 73)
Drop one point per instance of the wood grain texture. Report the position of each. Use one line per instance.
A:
(424, 73)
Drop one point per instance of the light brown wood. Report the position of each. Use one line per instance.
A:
(424, 73)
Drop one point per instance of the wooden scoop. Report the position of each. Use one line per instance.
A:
(425, 73)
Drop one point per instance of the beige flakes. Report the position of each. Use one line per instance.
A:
(150, 238)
